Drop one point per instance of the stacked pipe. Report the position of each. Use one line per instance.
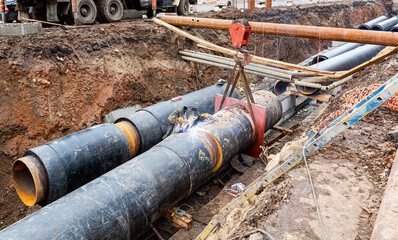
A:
(386, 25)
(370, 24)
(395, 28)
(341, 62)
(347, 46)
(341, 58)
(50, 171)
(122, 203)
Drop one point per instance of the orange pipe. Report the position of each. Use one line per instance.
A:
(313, 32)
(252, 5)
(268, 4)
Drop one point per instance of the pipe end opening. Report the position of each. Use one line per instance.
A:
(377, 28)
(363, 27)
(281, 87)
(318, 60)
(28, 180)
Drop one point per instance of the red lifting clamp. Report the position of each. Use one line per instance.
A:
(240, 32)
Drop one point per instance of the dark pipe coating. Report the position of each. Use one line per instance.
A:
(122, 203)
(385, 25)
(50, 171)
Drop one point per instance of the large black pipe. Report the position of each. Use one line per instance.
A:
(123, 202)
(350, 59)
(50, 171)
(335, 52)
(385, 25)
(347, 46)
(395, 28)
(341, 62)
(371, 23)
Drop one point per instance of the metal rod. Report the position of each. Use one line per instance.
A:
(313, 32)
(45, 22)
(249, 66)
(259, 72)
(273, 69)
(227, 66)
(338, 83)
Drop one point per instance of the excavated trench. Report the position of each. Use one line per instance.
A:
(60, 81)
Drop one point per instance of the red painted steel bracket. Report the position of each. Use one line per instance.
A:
(260, 114)
(240, 32)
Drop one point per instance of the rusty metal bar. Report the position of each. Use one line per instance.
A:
(313, 32)
(3, 11)
(252, 4)
(268, 4)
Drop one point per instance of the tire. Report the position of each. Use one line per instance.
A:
(86, 12)
(110, 10)
(150, 13)
(183, 8)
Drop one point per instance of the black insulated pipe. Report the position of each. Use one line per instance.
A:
(385, 25)
(342, 62)
(371, 23)
(335, 52)
(122, 203)
(152, 122)
(395, 28)
(50, 171)
(350, 59)
(347, 46)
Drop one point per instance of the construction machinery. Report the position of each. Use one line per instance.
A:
(90, 11)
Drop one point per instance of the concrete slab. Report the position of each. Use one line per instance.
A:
(19, 29)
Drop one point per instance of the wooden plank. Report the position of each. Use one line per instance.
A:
(49, 23)
(319, 97)
(282, 129)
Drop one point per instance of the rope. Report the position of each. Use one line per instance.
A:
(313, 190)
(319, 48)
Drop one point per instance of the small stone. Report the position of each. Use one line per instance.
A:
(256, 236)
